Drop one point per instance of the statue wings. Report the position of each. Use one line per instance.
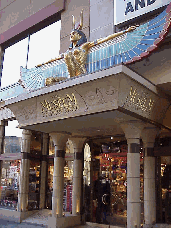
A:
(125, 49)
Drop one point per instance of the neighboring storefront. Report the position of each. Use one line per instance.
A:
(10, 183)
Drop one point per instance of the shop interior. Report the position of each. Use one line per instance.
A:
(104, 180)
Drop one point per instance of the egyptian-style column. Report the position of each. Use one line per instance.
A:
(148, 137)
(45, 149)
(132, 131)
(59, 140)
(2, 137)
(24, 171)
(77, 174)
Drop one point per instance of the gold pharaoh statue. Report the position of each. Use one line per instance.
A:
(76, 56)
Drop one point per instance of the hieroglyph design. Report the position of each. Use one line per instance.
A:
(139, 101)
(58, 105)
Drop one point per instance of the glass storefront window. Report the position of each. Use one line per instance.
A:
(10, 184)
(106, 196)
(34, 185)
(166, 188)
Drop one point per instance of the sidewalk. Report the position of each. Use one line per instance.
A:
(9, 224)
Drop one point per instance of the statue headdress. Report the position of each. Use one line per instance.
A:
(78, 27)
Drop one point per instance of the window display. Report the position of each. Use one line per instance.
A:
(34, 185)
(10, 184)
(166, 188)
(109, 184)
(68, 175)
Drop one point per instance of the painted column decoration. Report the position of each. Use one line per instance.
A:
(132, 131)
(77, 174)
(45, 149)
(2, 137)
(59, 140)
(148, 137)
(24, 171)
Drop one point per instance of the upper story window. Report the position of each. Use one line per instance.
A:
(43, 46)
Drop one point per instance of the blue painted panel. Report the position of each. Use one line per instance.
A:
(159, 17)
(143, 47)
(148, 42)
(112, 59)
(123, 58)
(131, 54)
(90, 57)
(127, 56)
(93, 56)
(111, 50)
(157, 24)
(108, 52)
(116, 59)
(137, 50)
(117, 49)
(104, 63)
(119, 59)
(154, 36)
(108, 62)
(156, 30)
(87, 67)
(105, 52)
(94, 67)
(98, 65)
(90, 68)
(97, 55)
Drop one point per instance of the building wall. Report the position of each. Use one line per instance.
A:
(18, 15)
(74, 7)
(101, 18)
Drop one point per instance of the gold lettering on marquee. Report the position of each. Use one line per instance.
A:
(57, 105)
(139, 101)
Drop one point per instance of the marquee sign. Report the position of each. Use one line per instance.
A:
(125, 10)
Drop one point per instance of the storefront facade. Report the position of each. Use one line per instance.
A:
(110, 119)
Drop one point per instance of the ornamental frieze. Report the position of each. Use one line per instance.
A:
(56, 105)
(139, 100)
(101, 95)
(88, 98)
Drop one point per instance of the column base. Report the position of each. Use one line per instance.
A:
(64, 222)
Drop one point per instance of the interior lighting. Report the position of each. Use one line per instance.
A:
(111, 137)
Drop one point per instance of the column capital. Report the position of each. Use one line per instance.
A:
(132, 130)
(148, 136)
(45, 136)
(59, 139)
(77, 143)
(26, 132)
